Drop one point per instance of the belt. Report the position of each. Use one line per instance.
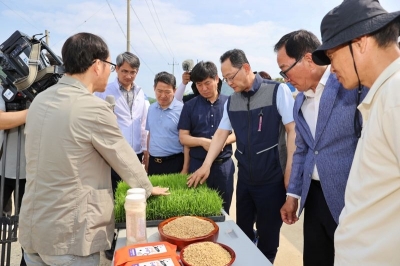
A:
(166, 158)
(316, 182)
(220, 160)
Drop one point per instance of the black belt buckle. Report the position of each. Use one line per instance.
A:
(158, 160)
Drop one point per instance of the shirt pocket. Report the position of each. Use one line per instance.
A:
(265, 159)
(240, 153)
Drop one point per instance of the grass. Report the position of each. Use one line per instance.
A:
(200, 201)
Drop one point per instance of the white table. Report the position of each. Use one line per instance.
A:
(229, 234)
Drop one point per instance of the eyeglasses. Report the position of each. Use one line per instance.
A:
(231, 78)
(284, 73)
(112, 65)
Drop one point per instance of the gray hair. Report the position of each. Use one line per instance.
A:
(130, 58)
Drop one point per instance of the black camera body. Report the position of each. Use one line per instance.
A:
(27, 67)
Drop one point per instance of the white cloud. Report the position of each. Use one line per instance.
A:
(197, 30)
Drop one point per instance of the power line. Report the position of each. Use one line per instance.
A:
(165, 41)
(115, 17)
(155, 11)
(86, 20)
(148, 34)
(19, 15)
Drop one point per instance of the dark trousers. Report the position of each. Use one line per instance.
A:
(115, 178)
(165, 165)
(220, 178)
(319, 229)
(9, 188)
(263, 202)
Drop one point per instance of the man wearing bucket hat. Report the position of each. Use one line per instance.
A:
(359, 40)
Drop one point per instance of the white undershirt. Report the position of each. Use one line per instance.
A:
(310, 109)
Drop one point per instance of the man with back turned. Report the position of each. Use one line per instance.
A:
(72, 139)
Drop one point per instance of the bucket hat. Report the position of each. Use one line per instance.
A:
(348, 21)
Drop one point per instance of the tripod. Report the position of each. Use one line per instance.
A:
(9, 225)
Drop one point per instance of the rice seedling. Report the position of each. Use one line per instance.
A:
(200, 201)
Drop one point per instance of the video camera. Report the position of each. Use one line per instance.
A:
(27, 67)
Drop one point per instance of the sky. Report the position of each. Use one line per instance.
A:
(164, 33)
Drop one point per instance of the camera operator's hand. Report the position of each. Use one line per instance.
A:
(10, 120)
(185, 77)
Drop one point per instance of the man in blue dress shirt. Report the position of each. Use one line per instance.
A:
(199, 120)
(165, 150)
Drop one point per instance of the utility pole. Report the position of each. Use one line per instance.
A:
(173, 65)
(128, 26)
(47, 34)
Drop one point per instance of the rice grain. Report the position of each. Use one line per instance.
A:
(188, 227)
(206, 254)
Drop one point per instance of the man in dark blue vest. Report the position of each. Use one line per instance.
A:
(259, 112)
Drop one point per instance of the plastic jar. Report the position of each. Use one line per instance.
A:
(135, 211)
(138, 190)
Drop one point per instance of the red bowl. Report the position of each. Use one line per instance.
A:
(231, 252)
(180, 242)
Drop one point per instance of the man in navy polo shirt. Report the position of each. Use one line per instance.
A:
(199, 120)
(165, 150)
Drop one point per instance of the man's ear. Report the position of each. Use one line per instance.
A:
(246, 67)
(308, 57)
(96, 67)
(308, 60)
(362, 43)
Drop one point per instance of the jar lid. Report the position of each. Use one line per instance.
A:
(135, 198)
(136, 191)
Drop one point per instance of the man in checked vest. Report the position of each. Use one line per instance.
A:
(259, 112)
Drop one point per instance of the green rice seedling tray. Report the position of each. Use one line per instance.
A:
(155, 223)
(200, 201)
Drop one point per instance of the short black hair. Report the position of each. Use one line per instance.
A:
(166, 78)
(80, 50)
(236, 56)
(387, 35)
(298, 43)
(203, 70)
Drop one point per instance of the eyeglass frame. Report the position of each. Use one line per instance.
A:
(283, 72)
(232, 78)
(113, 66)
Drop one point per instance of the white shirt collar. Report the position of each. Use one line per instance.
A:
(310, 93)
